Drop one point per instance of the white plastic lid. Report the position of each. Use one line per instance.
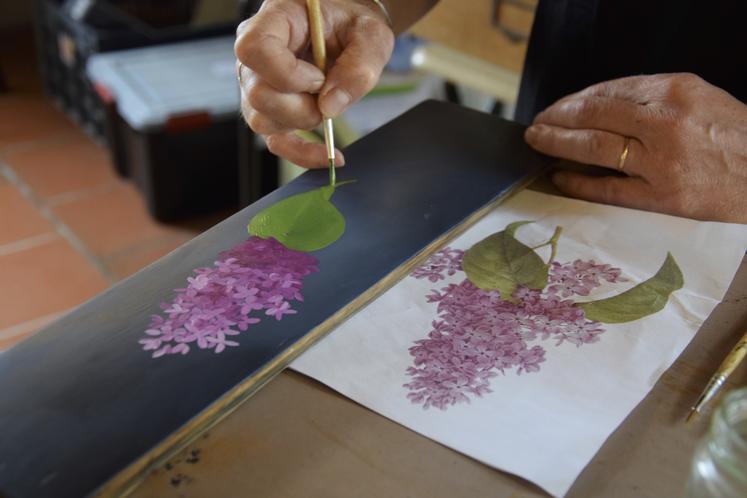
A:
(154, 83)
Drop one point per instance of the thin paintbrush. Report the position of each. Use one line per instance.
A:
(318, 47)
(730, 363)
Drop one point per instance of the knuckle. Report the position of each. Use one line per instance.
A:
(365, 77)
(251, 49)
(546, 139)
(594, 143)
(601, 88)
(243, 25)
(680, 84)
(272, 143)
(246, 40)
(253, 120)
(581, 110)
(687, 79)
(250, 52)
(255, 96)
(380, 31)
(371, 26)
(258, 123)
(308, 121)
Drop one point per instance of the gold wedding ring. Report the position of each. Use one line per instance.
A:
(239, 76)
(623, 154)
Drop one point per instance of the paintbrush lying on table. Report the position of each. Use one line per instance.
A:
(730, 363)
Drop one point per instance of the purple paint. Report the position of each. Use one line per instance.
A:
(224, 300)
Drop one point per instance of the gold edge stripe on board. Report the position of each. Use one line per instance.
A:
(126, 481)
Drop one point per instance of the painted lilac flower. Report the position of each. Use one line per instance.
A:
(279, 310)
(478, 335)
(258, 274)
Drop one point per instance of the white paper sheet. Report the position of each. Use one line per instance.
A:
(543, 425)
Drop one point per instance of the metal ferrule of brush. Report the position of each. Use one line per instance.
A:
(329, 138)
(713, 386)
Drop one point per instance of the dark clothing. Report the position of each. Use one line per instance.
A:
(576, 43)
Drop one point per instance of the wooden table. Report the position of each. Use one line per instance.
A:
(297, 438)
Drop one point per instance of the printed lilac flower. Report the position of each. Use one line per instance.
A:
(530, 359)
(592, 271)
(445, 262)
(580, 277)
(255, 275)
(478, 334)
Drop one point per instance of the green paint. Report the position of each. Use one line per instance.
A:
(642, 300)
(332, 175)
(303, 222)
(500, 262)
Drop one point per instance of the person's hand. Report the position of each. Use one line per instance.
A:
(279, 84)
(687, 152)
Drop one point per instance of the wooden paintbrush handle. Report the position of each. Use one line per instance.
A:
(734, 358)
(316, 28)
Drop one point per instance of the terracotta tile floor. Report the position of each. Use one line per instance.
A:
(69, 227)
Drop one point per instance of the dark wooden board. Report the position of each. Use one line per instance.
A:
(81, 401)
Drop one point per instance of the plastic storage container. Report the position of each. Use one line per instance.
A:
(71, 31)
(174, 124)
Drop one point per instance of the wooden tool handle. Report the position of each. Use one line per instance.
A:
(734, 358)
(316, 28)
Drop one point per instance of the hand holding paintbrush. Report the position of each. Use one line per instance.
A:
(282, 91)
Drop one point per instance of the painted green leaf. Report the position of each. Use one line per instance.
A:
(501, 262)
(303, 222)
(642, 300)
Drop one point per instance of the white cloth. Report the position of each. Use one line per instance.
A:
(544, 426)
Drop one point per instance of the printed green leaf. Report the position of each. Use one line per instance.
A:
(501, 262)
(303, 222)
(642, 300)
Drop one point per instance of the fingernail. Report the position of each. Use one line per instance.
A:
(530, 135)
(312, 74)
(339, 159)
(334, 102)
